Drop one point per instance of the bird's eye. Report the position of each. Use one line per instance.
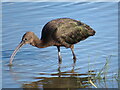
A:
(25, 39)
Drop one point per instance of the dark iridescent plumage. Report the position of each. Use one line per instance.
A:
(59, 32)
(65, 32)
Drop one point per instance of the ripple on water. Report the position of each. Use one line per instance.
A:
(33, 65)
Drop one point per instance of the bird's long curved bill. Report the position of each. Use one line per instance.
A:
(15, 51)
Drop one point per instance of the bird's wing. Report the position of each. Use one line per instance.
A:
(73, 35)
(64, 31)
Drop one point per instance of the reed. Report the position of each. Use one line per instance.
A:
(101, 76)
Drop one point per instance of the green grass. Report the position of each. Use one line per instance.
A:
(101, 75)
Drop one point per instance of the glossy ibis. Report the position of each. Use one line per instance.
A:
(59, 32)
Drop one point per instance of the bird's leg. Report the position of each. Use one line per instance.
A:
(59, 56)
(74, 57)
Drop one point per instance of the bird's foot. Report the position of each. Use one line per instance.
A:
(10, 64)
(74, 58)
(60, 61)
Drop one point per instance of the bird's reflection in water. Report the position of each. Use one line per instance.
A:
(68, 79)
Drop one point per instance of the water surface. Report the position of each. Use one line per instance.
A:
(34, 67)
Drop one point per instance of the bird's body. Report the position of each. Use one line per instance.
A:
(64, 32)
(59, 32)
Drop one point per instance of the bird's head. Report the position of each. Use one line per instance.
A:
(26, 39)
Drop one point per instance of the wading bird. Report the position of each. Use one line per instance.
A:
(59, 32)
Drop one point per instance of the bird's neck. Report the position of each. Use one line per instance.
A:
(38, 42)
